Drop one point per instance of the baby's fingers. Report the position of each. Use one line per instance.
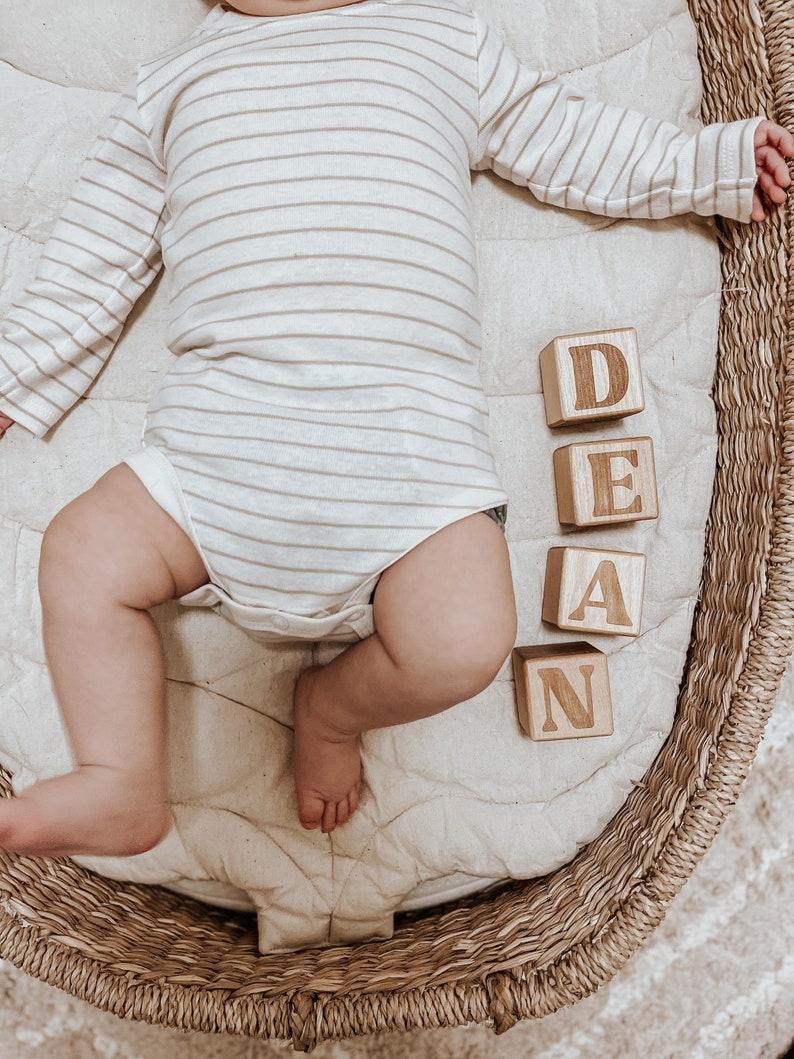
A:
(782, 139)
(772, 188)
(770, 133)
(759, 212)
(770, 162)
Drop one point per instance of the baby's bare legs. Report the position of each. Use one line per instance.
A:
(445, 621)
(106, 558)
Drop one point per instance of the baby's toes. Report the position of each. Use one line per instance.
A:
(311, 810)
(314, 811)
(329, 817)
(344, 811)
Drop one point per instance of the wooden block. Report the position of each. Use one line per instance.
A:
(606, 481)
(562, 691)
(592, 376)
(594, 591)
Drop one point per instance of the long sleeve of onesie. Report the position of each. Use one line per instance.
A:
(539, 133)
(103, 252)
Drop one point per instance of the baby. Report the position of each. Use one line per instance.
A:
(316, 463)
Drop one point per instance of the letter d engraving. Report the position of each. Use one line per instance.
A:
(584, 375)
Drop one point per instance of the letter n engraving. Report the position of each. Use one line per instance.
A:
(556, 683)
(570, 680)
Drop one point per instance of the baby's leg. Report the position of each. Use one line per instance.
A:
(106, 558)
(445, 621)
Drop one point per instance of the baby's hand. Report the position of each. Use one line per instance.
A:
(773, 145)
(5, 423)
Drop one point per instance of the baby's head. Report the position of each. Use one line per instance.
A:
(268, 8)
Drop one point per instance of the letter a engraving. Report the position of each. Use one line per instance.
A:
(556, 683)
(584, 375)
(606, 577)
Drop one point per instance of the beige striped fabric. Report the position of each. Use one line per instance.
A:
(306, 181)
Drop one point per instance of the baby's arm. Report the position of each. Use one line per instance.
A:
(580, 153)
(773, 145)
(103, 252)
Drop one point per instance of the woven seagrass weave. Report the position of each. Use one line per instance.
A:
(527, 949)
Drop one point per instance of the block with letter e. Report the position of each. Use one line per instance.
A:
(562, 691)
(592, 376)
(588, 590)
(600, 482)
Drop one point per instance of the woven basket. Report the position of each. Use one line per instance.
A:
(527, 949)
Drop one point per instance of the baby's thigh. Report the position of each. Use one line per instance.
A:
(117, 542)
(449, 602)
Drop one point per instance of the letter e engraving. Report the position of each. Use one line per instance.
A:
(604, 484)
(613, 480)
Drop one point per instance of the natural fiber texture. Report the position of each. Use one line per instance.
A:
(530, 948)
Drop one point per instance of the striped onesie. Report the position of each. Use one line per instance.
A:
(306, 182)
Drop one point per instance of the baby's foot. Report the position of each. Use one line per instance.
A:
(93, 811)
(327, 761)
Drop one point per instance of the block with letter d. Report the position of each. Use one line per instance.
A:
(600, 482)
(594, 591)
(592, 376)
(562, 691)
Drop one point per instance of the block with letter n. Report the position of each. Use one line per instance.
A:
(562, 691)
(592, 376)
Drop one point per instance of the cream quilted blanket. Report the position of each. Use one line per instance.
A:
(460, 800)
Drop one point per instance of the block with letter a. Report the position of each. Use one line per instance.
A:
(600, 482)
(562, 691)
(594, 591)
(592, 376)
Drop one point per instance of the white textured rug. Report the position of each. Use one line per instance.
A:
(716, 980)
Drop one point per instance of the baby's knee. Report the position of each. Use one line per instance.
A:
(87, 557)
(62, 555)
(478, 661)
(464, 666)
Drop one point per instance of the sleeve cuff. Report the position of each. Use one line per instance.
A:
(38, 418)
(738, 170)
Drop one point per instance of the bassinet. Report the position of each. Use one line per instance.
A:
(526, 949)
